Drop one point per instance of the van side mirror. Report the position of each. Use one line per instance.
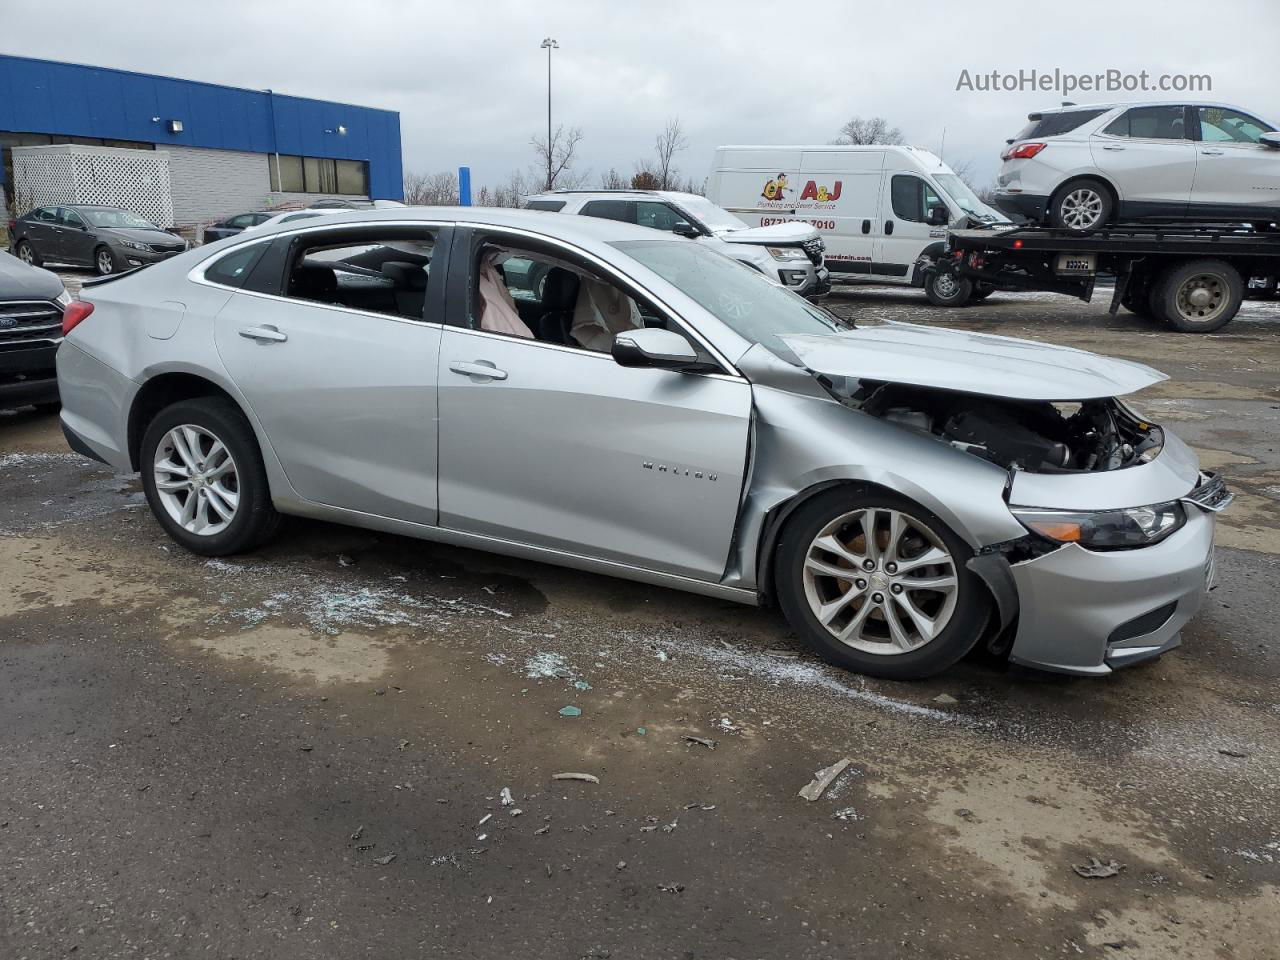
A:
(1270, 140)
(939, 216)
(683, 228)
(654, 347)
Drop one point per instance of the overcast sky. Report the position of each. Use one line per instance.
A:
(469, 79)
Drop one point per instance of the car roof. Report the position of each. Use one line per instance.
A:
(573, 229)
(1068, 108)
(619, 194)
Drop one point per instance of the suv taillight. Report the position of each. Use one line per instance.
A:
(76, 311)
(1023, 151)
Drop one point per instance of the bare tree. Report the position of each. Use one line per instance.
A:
(613, 180)
(669, 142)
(431, 189)
(556, 157)
(870, 130)
(511, 193)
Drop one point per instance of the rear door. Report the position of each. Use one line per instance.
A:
(1234, 171)
(1148, 154)
(909, 200)
(560, 447)
(333, 339)
(43, 233)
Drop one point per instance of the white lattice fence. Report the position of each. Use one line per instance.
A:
(137, 180)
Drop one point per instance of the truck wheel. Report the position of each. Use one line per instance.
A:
(947, 290)
(1081, 206)
(875, 583)
(1199, 296)
(1137, 296)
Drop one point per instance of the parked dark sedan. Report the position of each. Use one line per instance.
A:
(108, 239)
(233, 225)
(31, 303)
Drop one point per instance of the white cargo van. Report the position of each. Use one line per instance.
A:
(879, 208)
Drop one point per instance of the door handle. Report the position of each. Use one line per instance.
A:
(264, 334)
(1212, 153)
(480, 368)
(888, 228)
(866, 226)
(1112, 146)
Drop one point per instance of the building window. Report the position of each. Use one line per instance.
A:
(319, 175)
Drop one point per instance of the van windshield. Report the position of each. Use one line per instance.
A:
(965, 198)
(755, 308)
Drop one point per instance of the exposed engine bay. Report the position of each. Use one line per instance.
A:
(1038, 436)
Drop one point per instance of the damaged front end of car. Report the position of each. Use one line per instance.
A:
(1112, 543)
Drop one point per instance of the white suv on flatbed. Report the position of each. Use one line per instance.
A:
(1081, 167)
(789, 253)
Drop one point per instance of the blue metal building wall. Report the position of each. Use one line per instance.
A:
(66, 99)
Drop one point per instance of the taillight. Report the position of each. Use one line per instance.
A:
(76, 311)
(1023, 151)
(13, 227)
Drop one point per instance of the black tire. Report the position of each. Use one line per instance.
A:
(958, 636)
(1171, 296)
(1137, 296)
(255, 520)
(980, 292)
(50, 406)
(947, 289)
(32, 257)
(1084, 194)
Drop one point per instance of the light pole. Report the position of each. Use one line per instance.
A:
(549, 44)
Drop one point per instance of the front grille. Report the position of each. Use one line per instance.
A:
(29, 320)
(813, 250)
(165, 247)
(1211, 494)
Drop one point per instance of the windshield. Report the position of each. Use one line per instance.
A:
(755, 308)
(716, 219)
(959, 191)
(117, 218)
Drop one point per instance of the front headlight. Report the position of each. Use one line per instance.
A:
(1105, 529)
(787, 253)
(134, 245)
(64, 298)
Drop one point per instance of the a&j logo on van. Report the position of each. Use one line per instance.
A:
(819, 193)
(776, 189)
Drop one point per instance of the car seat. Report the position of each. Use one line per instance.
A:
(411, 286)
(559, 297)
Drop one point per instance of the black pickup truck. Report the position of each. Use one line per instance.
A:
(31, 303)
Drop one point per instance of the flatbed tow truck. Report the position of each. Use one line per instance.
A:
(1192, 276)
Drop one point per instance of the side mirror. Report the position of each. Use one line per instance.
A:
(1270, 140)
(654, 347)
(684, 228)
(939, 216)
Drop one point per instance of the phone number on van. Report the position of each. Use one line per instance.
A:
(820, 224)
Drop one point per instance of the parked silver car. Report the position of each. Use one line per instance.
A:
(902, 492)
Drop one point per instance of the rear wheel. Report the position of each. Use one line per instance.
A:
(204, 478)
(1081, 206)
(27, 254)
(945, 289)
(1199, 296)
(1137, 295)
(875, 583)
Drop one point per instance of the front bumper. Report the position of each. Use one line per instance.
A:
(27, 374)
(1028, 205)
(128, 257)
(806, 279)
(1088, 612)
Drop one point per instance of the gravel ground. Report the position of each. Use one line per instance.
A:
(303, 752)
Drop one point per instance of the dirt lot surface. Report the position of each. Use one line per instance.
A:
(303, 752)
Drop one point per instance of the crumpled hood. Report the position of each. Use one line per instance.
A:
(978, 363)
(20, 282)
(789, 233)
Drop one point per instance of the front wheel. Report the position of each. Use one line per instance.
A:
(945, 289)
(204, 478)
(103, 261)
(876, 583)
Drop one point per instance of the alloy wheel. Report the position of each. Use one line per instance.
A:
(1202, 298)
(105, 263)
(1082, 209)
(197, 480)
(880, 581)
(26, 254)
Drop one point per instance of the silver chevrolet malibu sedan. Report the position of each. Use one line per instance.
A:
(609, 398)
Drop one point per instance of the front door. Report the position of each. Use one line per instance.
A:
(339, 367)
(76, 241)
(556, 445)
(907, 230)
(1234, 169)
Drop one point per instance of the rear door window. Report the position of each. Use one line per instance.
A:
(623, 210)
(1056, 124)
(1150, 123)
(231, 270)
